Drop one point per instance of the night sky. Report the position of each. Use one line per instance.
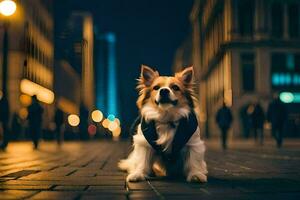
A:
(148, 32)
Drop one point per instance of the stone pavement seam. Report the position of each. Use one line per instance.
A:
(154, 189)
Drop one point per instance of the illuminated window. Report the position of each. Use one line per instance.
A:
(248, 71)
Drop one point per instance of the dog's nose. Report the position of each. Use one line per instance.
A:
(164, 92)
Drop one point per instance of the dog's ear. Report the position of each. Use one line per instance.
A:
(148, 75)
(186, 75)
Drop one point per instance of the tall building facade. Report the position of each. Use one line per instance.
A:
(245, 51)
(106, 73)
(74, 55)
(30, 55)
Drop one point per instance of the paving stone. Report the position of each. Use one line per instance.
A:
(55, 195)
(105, 188)
(15, 194)
(103, 196)
(24, 187)
(138, 186)
(89, 171)
(70, 187)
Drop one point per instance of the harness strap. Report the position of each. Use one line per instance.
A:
(185, 130)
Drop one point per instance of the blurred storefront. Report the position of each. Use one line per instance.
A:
(30, 57)
(245, 51)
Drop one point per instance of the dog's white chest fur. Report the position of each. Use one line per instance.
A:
(166, 133)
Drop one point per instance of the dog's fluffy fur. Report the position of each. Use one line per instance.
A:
(179, 102)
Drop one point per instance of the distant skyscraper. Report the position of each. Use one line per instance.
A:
(106, 74)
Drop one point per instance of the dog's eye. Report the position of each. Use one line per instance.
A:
(175, 88)
(156, 87)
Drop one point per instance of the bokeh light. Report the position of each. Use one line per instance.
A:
(92, 129)
(97, 116)
(73, 120)
(25, 99)
(8, 7)
(286, 97)
(105, 123)
(117, 121)
(116, 132)
(111, 117)
(112, 126)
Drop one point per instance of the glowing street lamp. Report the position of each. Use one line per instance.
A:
(7, 7)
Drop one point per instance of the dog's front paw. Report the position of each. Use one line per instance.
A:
(134, 177)
(197, 178)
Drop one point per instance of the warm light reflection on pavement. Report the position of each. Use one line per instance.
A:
(88, 170)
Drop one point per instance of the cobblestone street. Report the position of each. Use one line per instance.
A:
(88, 170)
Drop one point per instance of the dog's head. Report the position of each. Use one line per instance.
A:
(165, 97)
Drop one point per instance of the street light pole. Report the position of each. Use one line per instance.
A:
(4, 59)
(7, 8)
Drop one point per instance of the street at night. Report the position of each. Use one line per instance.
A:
(79, 170)
(150, 99)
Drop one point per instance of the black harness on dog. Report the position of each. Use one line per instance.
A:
(185, 129)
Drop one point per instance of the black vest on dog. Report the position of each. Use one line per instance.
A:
(185, 129)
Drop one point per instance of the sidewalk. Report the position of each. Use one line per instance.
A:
(88, 170)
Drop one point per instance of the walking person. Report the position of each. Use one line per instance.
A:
(35, 113)
(59, 121)
(257, 117)
(277, 115)
(224, 120)
(4, 119)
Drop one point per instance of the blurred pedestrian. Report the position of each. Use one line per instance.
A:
(257, 117)
(35, 113)
(277, 115)
(4, 119)
(245, 120)
(224, 120)
(59, 122)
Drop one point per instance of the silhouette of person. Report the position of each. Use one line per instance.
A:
(224, 119)
(276, 115)
(59, 121)
(35, 113)
(4, 118)
(257, 116)
(246, 122)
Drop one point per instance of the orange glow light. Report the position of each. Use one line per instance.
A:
(43, 94)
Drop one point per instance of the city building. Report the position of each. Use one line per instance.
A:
(74, 55)
(30, 56)
(106, 73)
(246, 51)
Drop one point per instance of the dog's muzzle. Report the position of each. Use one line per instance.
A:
(164, 97)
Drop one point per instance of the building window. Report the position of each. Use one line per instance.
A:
(277, 19)
(246, 17)
(285, 71)
(248, 71)
(294, 20)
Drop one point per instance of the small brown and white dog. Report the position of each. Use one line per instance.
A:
(168, 104)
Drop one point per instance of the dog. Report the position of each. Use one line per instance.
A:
(167, 140)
